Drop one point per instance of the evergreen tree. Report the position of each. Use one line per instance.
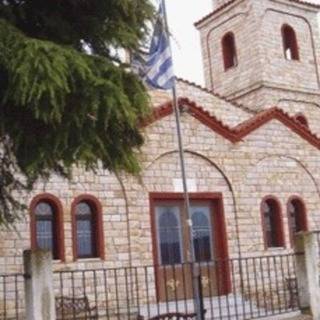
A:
(65, 98)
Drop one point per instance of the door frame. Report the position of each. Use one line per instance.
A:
(221, 240)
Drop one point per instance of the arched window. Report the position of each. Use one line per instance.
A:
(290, 44)
(46, 225)
(87, 228)
(297, 217)
(272, 223)
(202, 231)
(169, 233)
(301, 119)
(229, 51)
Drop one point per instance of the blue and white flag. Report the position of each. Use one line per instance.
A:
(156, 67)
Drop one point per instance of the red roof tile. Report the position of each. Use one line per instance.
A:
(235, 104)
(240, 131)
(214, 12)
(307, 3)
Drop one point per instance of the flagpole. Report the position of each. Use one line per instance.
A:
(188, 223)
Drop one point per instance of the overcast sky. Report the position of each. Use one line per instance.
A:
(186, 43)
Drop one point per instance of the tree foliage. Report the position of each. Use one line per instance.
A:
(59, 105)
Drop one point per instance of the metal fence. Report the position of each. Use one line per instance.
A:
(11, 297)
(317, 233)
(245, 288)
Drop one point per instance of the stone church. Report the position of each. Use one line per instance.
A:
(251, 138)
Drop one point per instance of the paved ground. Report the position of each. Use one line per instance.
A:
(301, 318)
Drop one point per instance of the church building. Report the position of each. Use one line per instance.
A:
(252, 152)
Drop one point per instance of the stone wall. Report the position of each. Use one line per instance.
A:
(104, 187)
(272, 160)
(292, 102)
(238, 18)
(262, 67)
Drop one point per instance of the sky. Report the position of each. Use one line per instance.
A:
(185, 38)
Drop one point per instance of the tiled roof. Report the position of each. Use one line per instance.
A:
(235, 104)
(226, 4)
(307, 3)
(237, 133)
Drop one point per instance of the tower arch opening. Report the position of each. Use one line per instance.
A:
(229, 51)
(290, 43)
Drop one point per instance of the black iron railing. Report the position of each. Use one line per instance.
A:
(244, 288)
(317, 233)
(12, 297)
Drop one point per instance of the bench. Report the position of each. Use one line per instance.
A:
(74, 308)
(173, 316)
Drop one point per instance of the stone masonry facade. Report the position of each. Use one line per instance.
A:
(234, 143)
(263, 78)
(271, 160)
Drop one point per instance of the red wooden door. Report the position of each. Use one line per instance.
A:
(172, 246)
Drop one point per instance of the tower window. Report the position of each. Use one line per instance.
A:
(229, 51)
(272, 223)
(290, 44)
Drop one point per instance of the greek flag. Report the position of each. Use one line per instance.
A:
(156, 66)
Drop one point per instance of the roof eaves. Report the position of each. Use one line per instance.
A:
(197, 23)
(237, 133)
(223, 6)
(217, 95)
(307, 3)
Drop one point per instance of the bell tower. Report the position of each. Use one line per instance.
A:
(262, 52)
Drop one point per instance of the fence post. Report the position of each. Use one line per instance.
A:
(39, 293)
(306, 248)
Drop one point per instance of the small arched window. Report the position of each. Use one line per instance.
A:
(87, 228)
(272, 223)
(290, 44)
(46, 225)
(301, 119)
(229, 51)
(169, 235)
(201, 226)
(297, 217)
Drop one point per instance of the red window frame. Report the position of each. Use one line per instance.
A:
(221, 240)
(289, 40)
(229, 51)
(277, 224)
(99, 251)
(59, 250)
(302, 215)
